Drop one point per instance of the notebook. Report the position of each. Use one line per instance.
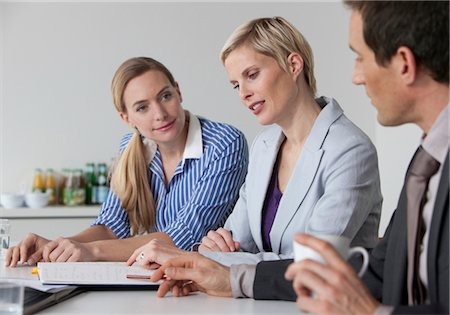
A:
(94, 274)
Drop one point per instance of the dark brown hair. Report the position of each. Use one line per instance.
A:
(422, 26)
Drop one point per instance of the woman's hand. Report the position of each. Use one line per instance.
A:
(28, 250)
(67, 250)
(154, 253)
(220, 240)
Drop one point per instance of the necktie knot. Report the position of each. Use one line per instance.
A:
(424, 165)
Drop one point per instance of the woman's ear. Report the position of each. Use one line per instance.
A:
(405, 64)
(126, 119)
(177, 87)
(295, 64)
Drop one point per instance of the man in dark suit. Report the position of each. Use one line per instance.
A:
(403, 62)
(402, 59)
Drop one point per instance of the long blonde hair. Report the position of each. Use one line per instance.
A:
(274, 37)
(130, 177)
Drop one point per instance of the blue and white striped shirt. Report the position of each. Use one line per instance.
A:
(203, 190)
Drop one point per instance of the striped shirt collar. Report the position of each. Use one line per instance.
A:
(194, 142)
(193, 148)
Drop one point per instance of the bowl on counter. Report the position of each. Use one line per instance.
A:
(36, 200)
(11, 200)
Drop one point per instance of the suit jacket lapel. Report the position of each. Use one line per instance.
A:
(394, 286)
(264, 161)
(304, 172)
(440, 207)
(298, 186)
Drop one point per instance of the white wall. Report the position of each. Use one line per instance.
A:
(59, 58)
(2, 107)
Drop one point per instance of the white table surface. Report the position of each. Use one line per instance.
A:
(146, 302)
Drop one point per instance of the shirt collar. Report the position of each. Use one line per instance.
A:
(436, 142)
(193, 148)
(194, 142)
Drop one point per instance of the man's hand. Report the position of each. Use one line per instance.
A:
(29, 250)
(336, 287)
(193, 272)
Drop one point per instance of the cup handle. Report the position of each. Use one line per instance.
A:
(364, 254)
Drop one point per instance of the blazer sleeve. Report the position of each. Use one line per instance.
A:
(236, 258)
(238, 223)
(270, 283)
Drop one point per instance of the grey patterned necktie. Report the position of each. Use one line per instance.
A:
(423, 167)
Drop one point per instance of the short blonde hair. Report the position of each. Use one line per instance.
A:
(274, 37)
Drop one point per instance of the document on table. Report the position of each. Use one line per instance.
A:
(94, 273)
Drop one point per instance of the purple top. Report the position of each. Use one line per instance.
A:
(270, 208)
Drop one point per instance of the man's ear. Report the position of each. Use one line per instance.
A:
(405, 64)
(295, 63)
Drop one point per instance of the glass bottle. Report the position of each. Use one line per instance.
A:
(68, 189)
(50, 186)
(38, 181)
(91, 183)
(62, 184)
(102, 180)
(79, 196)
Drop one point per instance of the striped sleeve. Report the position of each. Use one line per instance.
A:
(114, 217)
(215, 194)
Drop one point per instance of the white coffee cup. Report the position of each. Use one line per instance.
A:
(340, 243)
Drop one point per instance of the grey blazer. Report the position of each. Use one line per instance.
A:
(334, 189)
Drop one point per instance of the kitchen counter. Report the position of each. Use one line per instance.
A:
(51, 212)
(49, 222)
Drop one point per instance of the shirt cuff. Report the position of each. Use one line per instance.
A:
(180, 234)
(241, 279)
(384, 310)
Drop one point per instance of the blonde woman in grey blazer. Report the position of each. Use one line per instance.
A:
(311, 171)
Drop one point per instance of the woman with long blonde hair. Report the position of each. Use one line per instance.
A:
(178, 175)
